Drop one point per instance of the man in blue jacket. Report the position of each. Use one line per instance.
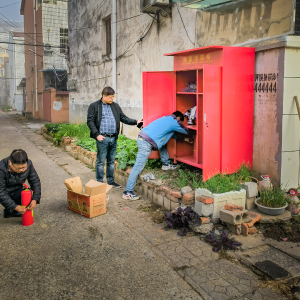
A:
(154, 137)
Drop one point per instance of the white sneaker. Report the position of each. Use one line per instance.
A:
(169, 167)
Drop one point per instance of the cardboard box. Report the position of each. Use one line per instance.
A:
(90, 204)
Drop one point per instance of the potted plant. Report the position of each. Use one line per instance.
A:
(272, 202)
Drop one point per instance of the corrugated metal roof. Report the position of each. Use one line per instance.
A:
(201, 4)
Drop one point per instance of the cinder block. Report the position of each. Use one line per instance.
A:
(234, 217)
(250, 204)
(233, 207)
(251, 189)
(174, 205)
(154, 197)
(167, 203)
(68, 148)
(150, 194)
(205, 200)
(160, 200)
(236, 229)
(203, 209)
(145, 189)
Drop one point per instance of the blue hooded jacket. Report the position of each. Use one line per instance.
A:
(161, 130)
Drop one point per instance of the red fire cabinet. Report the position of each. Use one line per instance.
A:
(225, 102)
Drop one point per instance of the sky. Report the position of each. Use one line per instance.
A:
(11, 12)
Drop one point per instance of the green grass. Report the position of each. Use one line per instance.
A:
(274, 198)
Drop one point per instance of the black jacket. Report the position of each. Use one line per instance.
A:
(94, 116)
(11, 182)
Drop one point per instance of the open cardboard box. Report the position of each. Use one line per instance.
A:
(90, 204)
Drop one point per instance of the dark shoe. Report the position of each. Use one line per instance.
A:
(130, 196)
(115, 185)
(14, 214)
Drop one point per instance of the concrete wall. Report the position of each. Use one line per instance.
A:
(93, 68)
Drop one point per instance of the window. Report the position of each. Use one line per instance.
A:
(63, 40)
(108, 35)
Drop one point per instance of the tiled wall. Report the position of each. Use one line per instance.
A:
(290, 119)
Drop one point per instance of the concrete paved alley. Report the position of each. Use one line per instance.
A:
(120, 255)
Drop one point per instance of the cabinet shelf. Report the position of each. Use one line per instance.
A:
(194, 127)
(184, 93)
(190, 160)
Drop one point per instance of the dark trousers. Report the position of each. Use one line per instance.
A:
(16, 197)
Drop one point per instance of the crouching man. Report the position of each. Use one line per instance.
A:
(154, 137)
(14, 171)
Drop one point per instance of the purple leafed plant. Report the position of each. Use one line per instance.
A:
(181, 219)
(222, 242)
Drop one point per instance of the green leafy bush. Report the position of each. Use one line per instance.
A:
(87, 143)
(273, 198)
(126, 151)
(223, 183)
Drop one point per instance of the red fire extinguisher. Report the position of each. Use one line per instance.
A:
(27, 217)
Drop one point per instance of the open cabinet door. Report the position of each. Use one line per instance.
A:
(158, 101)
(211, 120)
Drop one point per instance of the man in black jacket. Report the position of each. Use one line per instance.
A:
(103, 119)
(14, 171)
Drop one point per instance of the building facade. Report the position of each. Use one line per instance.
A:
(46, 31)
(16, 69)
(144, 34)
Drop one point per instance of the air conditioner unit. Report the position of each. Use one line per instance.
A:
(152, 6)
(72, 85)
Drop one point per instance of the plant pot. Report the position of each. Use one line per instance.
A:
(270, 210)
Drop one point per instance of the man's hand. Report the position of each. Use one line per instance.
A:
(20, 209)
(139, 121)
(100, 138)
(32, 205)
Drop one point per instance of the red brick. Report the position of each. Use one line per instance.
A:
(176, 194)
(151, 186)
(205, 200)
(245, 229)
(172, 198)
(189, 198)
(252, 230)
(233, 207)
(128, 171)
(166, 189)
(205, 220)
(67, 142)
(255, 217)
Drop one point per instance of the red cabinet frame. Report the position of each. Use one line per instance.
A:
(225, 104)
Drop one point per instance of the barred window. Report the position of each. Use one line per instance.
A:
(63, 40)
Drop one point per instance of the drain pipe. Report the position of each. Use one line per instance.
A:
(35, 58)
(114, 45)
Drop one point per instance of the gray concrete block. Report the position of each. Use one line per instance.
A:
(160, 200)
(145, 189)
(204, 209)
(234, 217)
(167, 203)
(174, 205)
(186, 189)
(251, 189)
(250, 204)
(68, 148)
(150, 194)
(236, 229)
(154, 197)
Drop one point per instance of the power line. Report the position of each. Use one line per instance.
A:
(11, 4)
(59, 47)
(184, 25)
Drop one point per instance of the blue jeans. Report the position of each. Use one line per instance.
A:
(144, 152)
(106, 150)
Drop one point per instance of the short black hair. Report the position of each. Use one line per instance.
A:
(179, 114)
(108, 91)
(18, 157)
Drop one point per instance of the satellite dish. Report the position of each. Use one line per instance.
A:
(47, 47)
